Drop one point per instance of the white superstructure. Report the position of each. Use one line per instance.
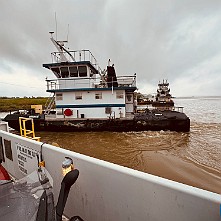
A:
(82, 90)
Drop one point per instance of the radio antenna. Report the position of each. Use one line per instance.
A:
(68, 33)
(56, 28)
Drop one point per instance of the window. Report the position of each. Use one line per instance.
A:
(129, 97)
(59, 111)
(73, 71)
(91, 73)
(78, 96)
(98, 95)
(59, 97)
(82, 71)
(56, 72)
(64, 72)
(8, 149)
(108, 110)
(119, 95)
(1, 151)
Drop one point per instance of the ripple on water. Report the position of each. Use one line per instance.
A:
(205, 145)
(149, 150)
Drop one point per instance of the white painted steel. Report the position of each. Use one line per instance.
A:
(88, 98)
(105, 191)
(76, 83)
(4, 126)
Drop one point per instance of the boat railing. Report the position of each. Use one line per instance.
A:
(172, 108)
(70, 83)
(76, 56)
(129, 81)
(178, 109)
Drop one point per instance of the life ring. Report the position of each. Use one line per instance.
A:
(68, 112)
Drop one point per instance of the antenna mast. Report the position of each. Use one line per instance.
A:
(56, 28)
(68, 33)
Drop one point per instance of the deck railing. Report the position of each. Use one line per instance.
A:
(129, 81)
(77, 56)
(70, 83)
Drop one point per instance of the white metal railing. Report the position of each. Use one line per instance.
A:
(129, 81)
(65, 83)
(178, 109)
(78, 55)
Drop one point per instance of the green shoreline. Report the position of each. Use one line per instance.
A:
(13, 104)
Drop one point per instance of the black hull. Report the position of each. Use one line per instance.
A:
(166, 120)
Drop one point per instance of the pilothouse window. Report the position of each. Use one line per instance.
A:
(64, 72)
(56, 71)
(73, 71)
(82, 71)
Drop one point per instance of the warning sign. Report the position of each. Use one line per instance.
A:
(27, 159)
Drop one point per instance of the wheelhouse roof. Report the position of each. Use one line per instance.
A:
(67, 64)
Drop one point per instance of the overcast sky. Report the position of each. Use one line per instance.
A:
(178, 40)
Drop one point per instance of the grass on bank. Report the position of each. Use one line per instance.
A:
(13, 104)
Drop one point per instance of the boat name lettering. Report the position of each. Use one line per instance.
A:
(26, 151)
(23, 170)
(26, 158)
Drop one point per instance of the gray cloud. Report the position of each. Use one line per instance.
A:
(177, 40)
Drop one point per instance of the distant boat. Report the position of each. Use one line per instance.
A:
(163, 99)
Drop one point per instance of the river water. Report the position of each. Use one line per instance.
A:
(193, 158)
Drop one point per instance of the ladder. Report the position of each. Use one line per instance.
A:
(24, 132)
(49, 103)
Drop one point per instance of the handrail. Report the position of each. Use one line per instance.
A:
(28, 133)
(78, 55)
(62, 83)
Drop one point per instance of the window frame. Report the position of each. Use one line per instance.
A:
(119, 95)
(78, 96)
(59, 97)
(108, 110)
(82, 74)
(98, 95)
(71, 73)
(8, 149)
(65, 73)
(2, 155)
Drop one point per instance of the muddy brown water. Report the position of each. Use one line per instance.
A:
(192, 158)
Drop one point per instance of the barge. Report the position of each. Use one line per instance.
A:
(86, 98)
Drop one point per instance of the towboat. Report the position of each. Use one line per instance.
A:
(86, 98)
(86, 188)
(163, 99)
